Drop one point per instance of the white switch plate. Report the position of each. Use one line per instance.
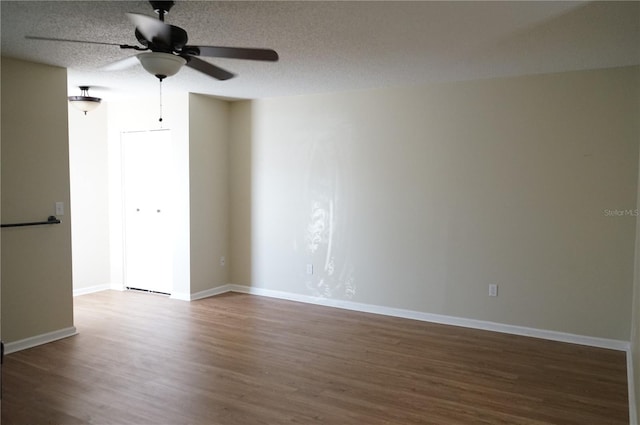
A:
(223, 261)
(493, 290)
(309, 268)
(59, 208)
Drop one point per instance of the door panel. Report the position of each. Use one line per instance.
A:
(146, 168)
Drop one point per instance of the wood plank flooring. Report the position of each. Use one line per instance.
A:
(242, 359)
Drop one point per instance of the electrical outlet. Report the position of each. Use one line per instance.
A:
(493, 290)
(223, 261)
(309, 268)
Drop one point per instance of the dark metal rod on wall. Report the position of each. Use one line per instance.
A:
(51, 220)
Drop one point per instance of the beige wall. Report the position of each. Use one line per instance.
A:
(635, 337)
(420, 198)
(36, 261)
(209, 191)
(240, 176)
(635, 324)
(89, 176)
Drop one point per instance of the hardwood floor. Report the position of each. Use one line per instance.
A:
(242, 359)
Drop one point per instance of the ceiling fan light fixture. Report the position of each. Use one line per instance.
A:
(84, 102)
(160, 64)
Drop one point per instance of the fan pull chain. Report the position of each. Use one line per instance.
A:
(160, 120)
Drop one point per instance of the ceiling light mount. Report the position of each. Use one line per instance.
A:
(162, 7)
(84, 102)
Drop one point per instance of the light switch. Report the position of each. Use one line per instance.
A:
(59, 208)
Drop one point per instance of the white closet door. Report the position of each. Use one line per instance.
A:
(146, 168)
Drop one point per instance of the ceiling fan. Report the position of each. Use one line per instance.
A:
(165, 50)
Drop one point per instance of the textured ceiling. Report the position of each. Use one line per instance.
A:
(331, 46)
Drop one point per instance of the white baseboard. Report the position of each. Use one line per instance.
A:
(439, 318)
(633, 408)
(23, 344)
(202, 294)
(91, 289)
(211, 292)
